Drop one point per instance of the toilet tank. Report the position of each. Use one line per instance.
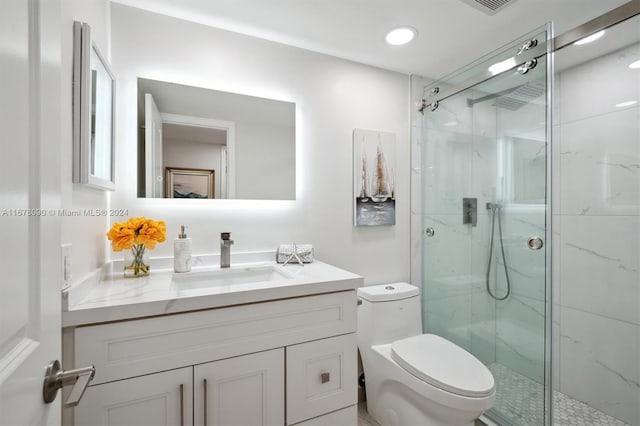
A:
(388, 312)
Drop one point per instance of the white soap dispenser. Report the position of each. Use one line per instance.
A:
(182, 252)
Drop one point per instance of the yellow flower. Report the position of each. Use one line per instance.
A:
(137, 230)
(150, 233)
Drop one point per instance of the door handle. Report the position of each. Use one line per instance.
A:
(55, 378)
(535, 243)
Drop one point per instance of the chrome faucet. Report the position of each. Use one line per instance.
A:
(225, 249)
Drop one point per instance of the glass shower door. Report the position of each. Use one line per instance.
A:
(484, 164)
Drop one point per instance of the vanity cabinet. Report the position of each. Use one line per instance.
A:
(280, 362)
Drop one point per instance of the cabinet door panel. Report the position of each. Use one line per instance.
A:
(152, 400)
(244, 391)
(322, 377)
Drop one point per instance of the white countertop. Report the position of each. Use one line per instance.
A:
(115, 298)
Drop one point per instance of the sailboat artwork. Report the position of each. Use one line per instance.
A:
(374, 179)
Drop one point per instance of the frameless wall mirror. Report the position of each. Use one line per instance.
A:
(202, 143)
(93, 113)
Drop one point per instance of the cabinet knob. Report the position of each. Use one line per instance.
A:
(325, 377)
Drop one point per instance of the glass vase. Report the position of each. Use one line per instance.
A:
(136, 263)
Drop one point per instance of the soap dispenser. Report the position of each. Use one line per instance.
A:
(182, 252)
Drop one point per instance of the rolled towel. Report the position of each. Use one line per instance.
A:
(304, 251)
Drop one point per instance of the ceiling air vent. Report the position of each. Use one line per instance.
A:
(490, 7)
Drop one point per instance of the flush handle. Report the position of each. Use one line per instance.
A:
(325, 377)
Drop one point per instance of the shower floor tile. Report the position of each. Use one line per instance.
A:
(521, 400)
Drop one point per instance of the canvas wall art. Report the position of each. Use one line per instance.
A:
(374, 195)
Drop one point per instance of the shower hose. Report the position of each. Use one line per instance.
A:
(496, 211)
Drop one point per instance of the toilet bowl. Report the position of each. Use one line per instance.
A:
(413, 378)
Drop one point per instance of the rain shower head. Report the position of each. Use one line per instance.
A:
(515, 98)
(521, 96)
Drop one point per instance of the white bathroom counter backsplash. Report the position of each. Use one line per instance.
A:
(108, 296)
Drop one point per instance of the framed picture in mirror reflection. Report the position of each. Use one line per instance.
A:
(189, 183)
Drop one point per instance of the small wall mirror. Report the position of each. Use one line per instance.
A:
(202, 143)
(93, 113)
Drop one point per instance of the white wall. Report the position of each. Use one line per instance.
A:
(263, 161)
(85, 233)
(332, 97)
(596, 234)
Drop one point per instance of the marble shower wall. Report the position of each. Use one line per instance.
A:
(596, 218)
(457, 161)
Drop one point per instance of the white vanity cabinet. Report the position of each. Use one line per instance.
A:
(281, 362)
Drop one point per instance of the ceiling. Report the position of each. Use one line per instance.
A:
(451, 33)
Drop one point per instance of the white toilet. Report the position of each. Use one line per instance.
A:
(415, 379)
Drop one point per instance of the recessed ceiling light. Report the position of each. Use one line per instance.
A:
(626, 104)
(401, 35)
(635, 65)
(590, 38)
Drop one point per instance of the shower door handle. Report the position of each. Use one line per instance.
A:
(535, 243)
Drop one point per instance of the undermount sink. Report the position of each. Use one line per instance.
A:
(232, 276)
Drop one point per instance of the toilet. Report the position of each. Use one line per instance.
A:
(415, 379)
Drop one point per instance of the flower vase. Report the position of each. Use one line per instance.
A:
(136, 263)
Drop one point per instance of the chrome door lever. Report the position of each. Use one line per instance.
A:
(55, 379)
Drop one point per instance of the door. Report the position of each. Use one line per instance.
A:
(155, 399)
(485, 236)
(245, 390)
(154, 169)
(29, 198)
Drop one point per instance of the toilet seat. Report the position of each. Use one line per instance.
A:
(443, 364)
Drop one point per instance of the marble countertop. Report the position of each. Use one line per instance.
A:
(108, 296)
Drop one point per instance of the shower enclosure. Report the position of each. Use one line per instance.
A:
(489, 145)
(484, 152)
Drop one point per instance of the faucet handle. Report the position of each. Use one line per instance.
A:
(225, 237)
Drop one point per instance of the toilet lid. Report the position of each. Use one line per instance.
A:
(443, 364)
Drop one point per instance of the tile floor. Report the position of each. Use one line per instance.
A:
(521, 400)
